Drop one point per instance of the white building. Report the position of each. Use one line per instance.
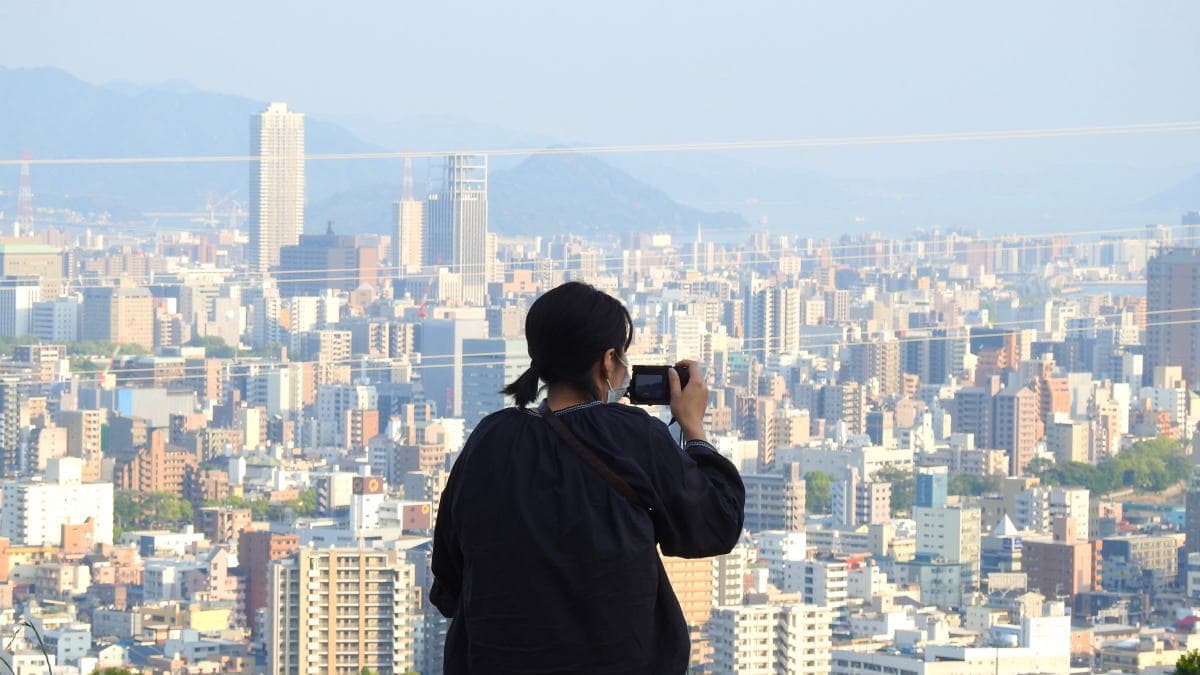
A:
(766, 639)
(17, 298)
(820, 582)
(34, 512)
(276, 184)
(333, 401)
(777, 547)
(1036, 508)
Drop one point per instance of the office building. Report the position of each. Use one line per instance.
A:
(408, 217)
(489, 364)
(55, 320)
(44, 263)
(775, 500)
(456, 222)
(440, 342)
(124, 316)
(1173, 299)
(18, 295)
(276, 184)
(327, 262)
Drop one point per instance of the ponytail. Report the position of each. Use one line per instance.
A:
(524, 389)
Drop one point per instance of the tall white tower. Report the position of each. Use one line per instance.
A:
(456, 224)
(276, 184)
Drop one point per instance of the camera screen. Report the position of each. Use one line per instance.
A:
(650, 386)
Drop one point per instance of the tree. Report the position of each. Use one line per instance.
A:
(904, 487)
(1189, 663)
(817, 497)
(1152, 465)
(974, 486)
(150, 510)
(214, 346)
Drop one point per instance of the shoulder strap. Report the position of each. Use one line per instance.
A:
(592, 460)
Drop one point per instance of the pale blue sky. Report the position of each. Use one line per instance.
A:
(643, 71)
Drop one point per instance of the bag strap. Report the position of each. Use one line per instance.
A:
(592, 460)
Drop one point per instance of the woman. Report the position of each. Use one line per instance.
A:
(545, 558)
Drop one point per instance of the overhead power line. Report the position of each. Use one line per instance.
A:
(633, 148)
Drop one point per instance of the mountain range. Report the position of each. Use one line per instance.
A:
(54, 114)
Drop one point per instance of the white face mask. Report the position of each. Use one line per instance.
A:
(615, 394)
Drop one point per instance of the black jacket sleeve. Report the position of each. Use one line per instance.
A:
(699, 500)
(447, 562)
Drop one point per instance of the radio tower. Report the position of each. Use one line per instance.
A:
(25, 197)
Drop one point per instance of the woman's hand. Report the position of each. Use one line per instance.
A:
(689, 403)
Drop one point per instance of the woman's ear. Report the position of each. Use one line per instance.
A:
(605, 370)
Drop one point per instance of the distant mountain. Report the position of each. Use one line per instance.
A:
(580, 193)
(1183, 196)
(545, 194)
(53, 114)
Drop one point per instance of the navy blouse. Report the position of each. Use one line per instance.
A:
(545, 568)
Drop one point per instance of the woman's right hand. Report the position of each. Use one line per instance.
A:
(689, 403)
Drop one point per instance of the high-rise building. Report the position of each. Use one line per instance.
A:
(323, 262)
(408, 216)
(55, 320)
(10, 426)
(1173, 302)
(440, 342)
(489, 364)
(1014, 426)
(342, 611)
(256, 551)
(952, 534)
(34, 512)
(276, 184)
(773, 321)
(456, 224)
(775, 500)
(121, 315)
(17, 298)
(44, 263)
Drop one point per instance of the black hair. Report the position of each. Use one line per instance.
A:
(567, 329)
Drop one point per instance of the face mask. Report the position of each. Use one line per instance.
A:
(615, 394)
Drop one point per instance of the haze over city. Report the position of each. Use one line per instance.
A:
(774, 339)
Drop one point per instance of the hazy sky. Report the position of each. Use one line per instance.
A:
(645, 71)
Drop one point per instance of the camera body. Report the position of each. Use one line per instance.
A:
(650, 385)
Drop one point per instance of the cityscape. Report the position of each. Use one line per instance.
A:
(227, 419)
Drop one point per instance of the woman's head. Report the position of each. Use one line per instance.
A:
(571, 330)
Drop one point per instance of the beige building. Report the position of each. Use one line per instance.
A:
(276, 184)
(34, 260)
(341, 611)
(408, 215)
(121, 315)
